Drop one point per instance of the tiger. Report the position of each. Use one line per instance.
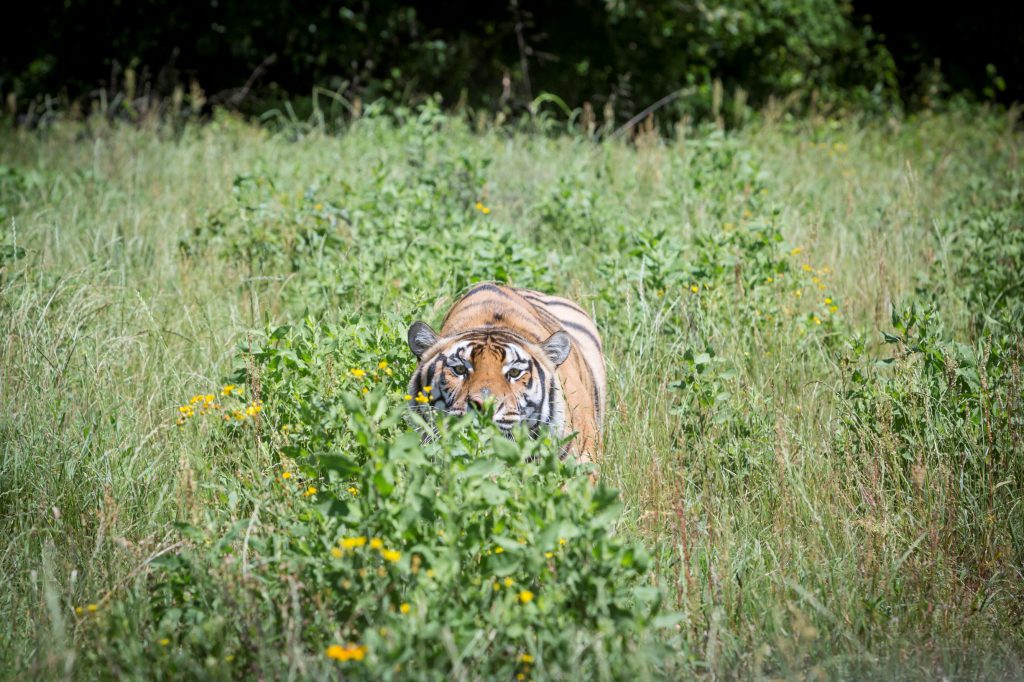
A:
(537, 358)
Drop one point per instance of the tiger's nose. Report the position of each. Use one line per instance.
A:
(477, 401)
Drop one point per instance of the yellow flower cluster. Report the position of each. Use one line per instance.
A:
(525, 661)
(377, 544)
(205, 403)
(423, 397)
(483, 209)
(382, 369)
(348, 652)
(197, 404)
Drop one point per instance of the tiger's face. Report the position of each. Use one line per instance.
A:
(491, 365)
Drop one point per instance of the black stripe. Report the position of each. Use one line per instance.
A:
(564, 304)
(541, 377)
(432, 374)
(586, 332)
(486, 287)
(551, 398)
(477, 304)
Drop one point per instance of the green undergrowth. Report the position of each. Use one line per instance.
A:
(813, 460)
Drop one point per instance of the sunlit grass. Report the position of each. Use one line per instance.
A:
(804, 521)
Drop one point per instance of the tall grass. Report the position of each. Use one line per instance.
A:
(820, 499)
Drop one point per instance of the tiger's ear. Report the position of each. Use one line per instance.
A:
(557, 347)
(421, 337)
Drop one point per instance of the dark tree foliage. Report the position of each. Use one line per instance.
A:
(976, 48)
(622, 53)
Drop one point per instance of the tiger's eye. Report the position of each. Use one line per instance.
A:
(460, 370)
(514, 372)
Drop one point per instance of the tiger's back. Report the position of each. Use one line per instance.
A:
(517, 322)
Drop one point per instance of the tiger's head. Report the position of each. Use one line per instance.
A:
(466, 370)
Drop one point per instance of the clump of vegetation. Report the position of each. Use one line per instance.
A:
(814, 441)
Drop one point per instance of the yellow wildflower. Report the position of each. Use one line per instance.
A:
(548, 555)
(520, 677)
(694, 288)
(499, 550)
(817, 320)
(318, 207)
(336, 553)
(509, 582)
(525, 658)
(833, 309)
(365, 389)
(349, 652)
(391, 555)
(422, 399)
(253, 409)
(351, 543)
(561, 541)
(383, 364)
(286, 475)
(357, 373)
(406, 397)
(796, 251)
(807, 267)
(377, 544)
(310, 491)
(353, 490)
(426, 389)
(496, 586)
(164, 641)
(228, 389)
(828, 301)
(404, 608)
(79, 610)
(526, 596)
(92, 608)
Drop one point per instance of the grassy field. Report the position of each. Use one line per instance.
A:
(813, 336)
